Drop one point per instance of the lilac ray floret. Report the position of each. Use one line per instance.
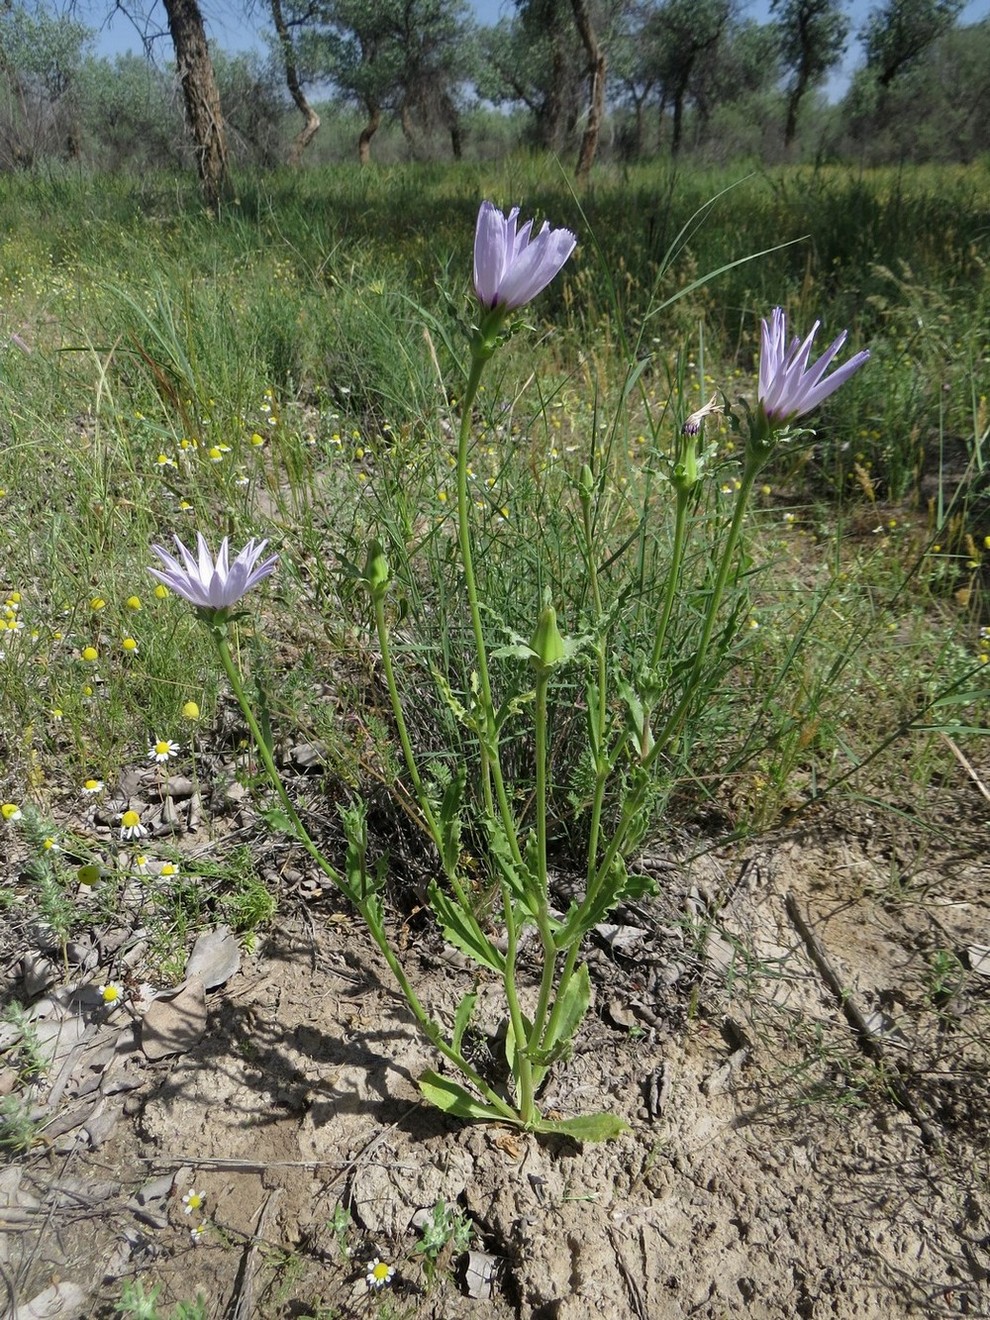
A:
(213, 584)
(789, 386)
(512, 265)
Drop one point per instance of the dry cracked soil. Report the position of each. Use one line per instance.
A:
(795, 1032)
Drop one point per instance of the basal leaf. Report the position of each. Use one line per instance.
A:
(586, 1127)
(453, 1099)
(573, 1005)
(462, 1017)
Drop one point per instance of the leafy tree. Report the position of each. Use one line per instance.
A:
(552, 57)
(682, 35)
(284, 33)
(194, 67)
(535, 59)
(41, 54)
(388, 56)
(812, 41)
(933, 111)
(898, 33)
(595, 69)
(745, 69)
(634, 71)
(253, 106)
(131, 114)
(437, 43)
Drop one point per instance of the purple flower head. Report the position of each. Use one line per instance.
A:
(790, 387)
(511, 266)
(213, 585)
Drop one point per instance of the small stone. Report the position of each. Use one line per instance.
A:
(131, 782)
(195, 813)
(37, 973)
(215, 958)
(179, 787)
(479, 1274)
(176, 1024)
(62, 1301)
(309, 756)
(620, 1015)
(154, 1191)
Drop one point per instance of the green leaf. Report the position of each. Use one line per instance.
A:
(453, 1099)
(962, 699)
(461, 1019)
(458, 711)
(501, 853)
(573, 1005)
(512, 706)
(614, 887)
(463, 931)
(514, 651)
(637, 716)
(278, 820)
(586, 1127)
(450, 822)
(510, 1042)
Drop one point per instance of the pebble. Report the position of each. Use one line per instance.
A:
(179, 787)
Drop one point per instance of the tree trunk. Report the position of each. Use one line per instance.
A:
(552, 108)
(675, 137)
(369, 131)
(793, 103)
(405, 120)
(596, 89)
(311, 119)
(199, 92)
(679, 97)
(452, 121)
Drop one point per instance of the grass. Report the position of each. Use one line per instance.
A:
(292, 371)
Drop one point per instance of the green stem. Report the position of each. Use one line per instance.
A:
(234, 676)
(603, 764)
(543, 913)
(568, 971)
(393, 692)
(522, 1066)
(430, 1028)
(489, 742)
(424, 802)
(673, 723)
(750, 473)
(673, 574)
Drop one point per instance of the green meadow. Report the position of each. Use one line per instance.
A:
(292, 369)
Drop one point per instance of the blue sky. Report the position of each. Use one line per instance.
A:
(231, 29)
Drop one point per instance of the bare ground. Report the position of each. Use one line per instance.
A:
(797, 1035)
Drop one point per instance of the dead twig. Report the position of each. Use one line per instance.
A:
(956, 752)
(244, 1287)
(854, 1015)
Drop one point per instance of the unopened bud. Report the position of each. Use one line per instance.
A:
(376, 572)
(547, 644)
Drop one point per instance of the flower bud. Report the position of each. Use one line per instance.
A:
(547, 645)
(376, 572)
